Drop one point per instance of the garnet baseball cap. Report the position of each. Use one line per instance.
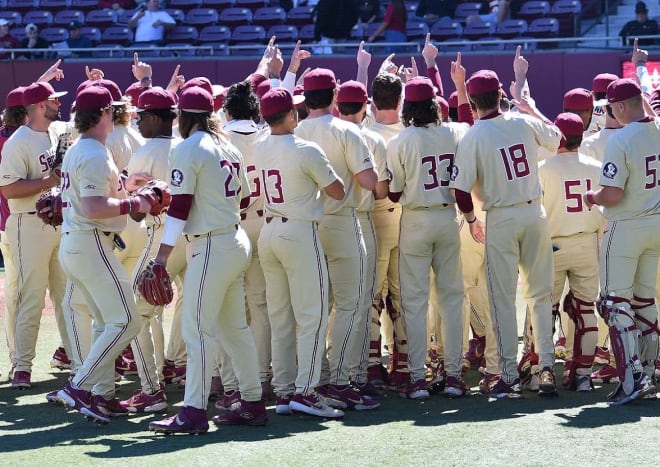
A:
(299, 90)
(262, 88)
(453, 100)
(201, 82)
(93, 98)
(578, 99)
(156, 98)
(278, 100)
(602, 80)
(483, 81)
(196, 100)
(419, 89)
(318, 79)
(444, 106)
(134, 91)
(352, 91)
(622, 89)
(219, 96)
(570, 124)
(39, 92)
(15, 97)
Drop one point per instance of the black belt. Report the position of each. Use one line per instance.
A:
(269, 219)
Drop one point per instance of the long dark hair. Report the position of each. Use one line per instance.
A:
(400, 9)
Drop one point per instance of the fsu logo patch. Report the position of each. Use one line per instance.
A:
(177, 177)
(454, 173)
(610, 170)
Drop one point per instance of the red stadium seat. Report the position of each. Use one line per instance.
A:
(202, 16)
(283, 32)
(533, 9)
(248, 34)
(464, 10)
(218, 4)
(54, 5)
(84, 5)
(64, 17)
(54, 34)
(182, 34)
(442, 30)
(41, 18)
(177, 15)
(299, 16)
(22, 6)
(269, 16)
(306, 33)
(235, 16)
(544, 28)
(214, 34)
(478, 29)
(94, 34)
(510, 28)
(567, 13)
(416, 30)
(100, 18)
(124, 17)
(117, 35)
(251, 4)
(185, 5)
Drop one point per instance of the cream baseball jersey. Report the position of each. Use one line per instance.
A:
(565, 178)
(420, 161)
(594, 145)
(88, 170)
(202, 159)
(504, 146)
(27, 155)
(153, 158)
(386, 131)
(346, 150)
(292, 173)
(632, 163)
(378, 149)
(122, 144)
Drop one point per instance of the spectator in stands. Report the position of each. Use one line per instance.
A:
(640, 26)
(369, 10)
(433, 10)
(394, 26)
(77, 41)
(334, 20)
(7, 41)
(33, 41)
(117, 5)
(151, 24)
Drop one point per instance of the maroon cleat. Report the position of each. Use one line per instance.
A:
(60, 359)
(244, 413)
(189, 420)
(21, 380)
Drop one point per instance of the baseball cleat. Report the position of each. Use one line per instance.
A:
(173, 374)
(141, 402)
(244, 413)
(475, 351)
(642, 387)
(376, 375)
(606, 374)
(454, 387)
(217, 389)
(124, 367)
(314, 404)
(21, 380)
(601, 356)
(583, 383)
(500, 389)
(657, 368)
(349, 397)
(547, 386)
(110, 407)
(52, 397)
(282, 405)
(60, 360)
(369, 389)
(229, 399)
(560, 349)
(267, 393)
(416, 390)
(189, 420)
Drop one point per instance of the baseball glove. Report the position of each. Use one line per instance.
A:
(155, 285)
(49, 207)
(157, 192)
(64, 142)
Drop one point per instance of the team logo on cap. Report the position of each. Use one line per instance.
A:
(454, 173)
(177, 177)
(610, 170)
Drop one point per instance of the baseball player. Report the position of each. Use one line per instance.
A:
(13, 116)
(499, 155)
(209, 184)
(156, 112)
(420, 158)
(340, 233)
(630, 196)
(594, 144)
(574, 232)
(95, 204)
(25, 172)
(292, 172)
(352, 106)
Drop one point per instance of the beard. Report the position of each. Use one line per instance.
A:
(53, 115)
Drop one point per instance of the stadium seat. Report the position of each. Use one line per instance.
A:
(115, 50)
(84, 5)
(299, 16)
(464, 10)
(235, 16)
(567, 13)
(371, 29)
(455, 45)
(64, 17)
(117, 35)
(94, 34)
(147, 50)
(100, 18)
(185, 5)
(218, 4)
(533, 9)
(442, 30)
(358, 32)
(510, 28)
(283, 32)
(18, 33)
(54, 34)
(269, 16)
(251, 4)
(22, 6)
(182, 34)
(179, 49)
(217, 48)
(124, 17)
(306, 33)
(55, 5)
(202, 17)
(178, 15)
(478, 29)
(41, 18)
(527, 43)
(479, 46)
(14, 17)
(544, 28)
(416, 30)
(214, 34)
(248, 34)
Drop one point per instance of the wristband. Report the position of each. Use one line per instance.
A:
(126, 206)
(590, 198)
(472, 221)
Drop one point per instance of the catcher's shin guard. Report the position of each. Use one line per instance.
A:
(585, 337)
(646, 319)
(375, 357)
(623, 339)
(399, 359)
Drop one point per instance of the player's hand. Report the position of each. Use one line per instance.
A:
(478, 231)
(301, 79)
(388, 65)
(52, 73)
(276, 63)
(639, 56)
(298, 56)
(176, 81)
(94, 74)
(268, 53)
(136, 180)
(520, 65)
(588, 199)
(429, 52)
(457, 71)
(140, 69)
(409, 73)
(524, 104)
(363, 57)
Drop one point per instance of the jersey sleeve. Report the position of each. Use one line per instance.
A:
(13, 166)
(183, 177)
(615, 170)
(380, 159)
(358, 156)
(318, 167)
(395, 166)
(94, 173)
(547, 136)
(464, 171)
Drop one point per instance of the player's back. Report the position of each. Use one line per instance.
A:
(565, 178)
(246, 143)
(505, 151)
(594, 145)
(122, 143)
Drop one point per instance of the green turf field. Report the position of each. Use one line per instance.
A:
(572, 429)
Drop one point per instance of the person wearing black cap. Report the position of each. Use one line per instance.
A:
(640, 26)
(77, 41)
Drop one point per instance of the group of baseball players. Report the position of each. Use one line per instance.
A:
(349, 220)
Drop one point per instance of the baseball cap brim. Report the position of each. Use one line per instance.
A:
(299, 99)
(601, 102)
(55, 95)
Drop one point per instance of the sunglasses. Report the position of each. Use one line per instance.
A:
(54, 99)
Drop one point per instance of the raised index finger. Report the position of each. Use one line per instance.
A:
(361, 47)
(635, 44)
(518, 50)
(428, 38)
(176, 73)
